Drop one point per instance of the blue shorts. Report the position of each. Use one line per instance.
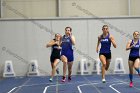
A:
(107, 55)
(68, 54)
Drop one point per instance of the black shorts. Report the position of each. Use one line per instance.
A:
(107, 55)
(53, 57)
(133, 58)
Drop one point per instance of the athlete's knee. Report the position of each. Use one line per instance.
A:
(104, 65)
(136, 67)
(54, 66)
(63, 58)
(106, 68)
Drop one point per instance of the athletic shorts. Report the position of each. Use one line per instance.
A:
(107, 55)
(133, 58)
(69, 55)
(53, 57)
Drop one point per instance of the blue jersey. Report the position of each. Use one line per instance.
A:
(134, 52)
(105, 44)
(67, 49)
(66, 44)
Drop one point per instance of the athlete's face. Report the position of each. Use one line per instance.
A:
(68, 31)
(136, 35)
(57, 36)
(105, 29)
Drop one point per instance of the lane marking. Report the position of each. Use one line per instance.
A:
(126, 83)
(80, 91)
(92, 84)
(12, 90)
(18, 88)
(77, 82)
(111, 86)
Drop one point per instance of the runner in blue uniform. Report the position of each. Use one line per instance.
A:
(105, 53)
(134, 56)
(55, 54)
(67, 57)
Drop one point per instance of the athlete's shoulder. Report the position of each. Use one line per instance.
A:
(130, 41)
(100, 36)
(111, 36)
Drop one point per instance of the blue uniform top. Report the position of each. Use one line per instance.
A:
(66, 44)
(134, 52)
(105, 44)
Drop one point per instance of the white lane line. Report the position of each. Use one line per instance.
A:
(92, 84)
(62, 84)
(111, 86)
(83, 85)
(26, 86)
(19, 86)
(12, 90)
(126, 83)
(51, 86)
(80, 91)
(44, 91)
(35, 85)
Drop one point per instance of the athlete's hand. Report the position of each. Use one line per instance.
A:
(57, 42)
(59, 47)
(70, 34)
(97, 49)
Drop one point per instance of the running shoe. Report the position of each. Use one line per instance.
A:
(131, 84)
(51, 80)
(103, 80)
(69, 78)
(63, 79)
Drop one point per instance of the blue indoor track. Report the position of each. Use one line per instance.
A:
(78, 84)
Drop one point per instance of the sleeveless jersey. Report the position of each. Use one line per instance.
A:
(105, 44)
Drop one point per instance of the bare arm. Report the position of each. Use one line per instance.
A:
(51, 43)
(113, 41)
(128, 45)
(73, 40)
(98, 43)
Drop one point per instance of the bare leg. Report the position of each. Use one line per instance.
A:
(103, 60)
(70, 68)
(107, 64)
(64, 60)
(130, 63)
(54, 67)
(136, 65)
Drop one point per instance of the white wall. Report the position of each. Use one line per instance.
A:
(24, 40)
(48, 8)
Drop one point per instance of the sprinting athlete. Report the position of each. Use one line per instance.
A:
(67, 57)
(134, 56)
(55, 44)
(105, 53)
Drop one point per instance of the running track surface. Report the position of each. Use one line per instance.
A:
(79, 84)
